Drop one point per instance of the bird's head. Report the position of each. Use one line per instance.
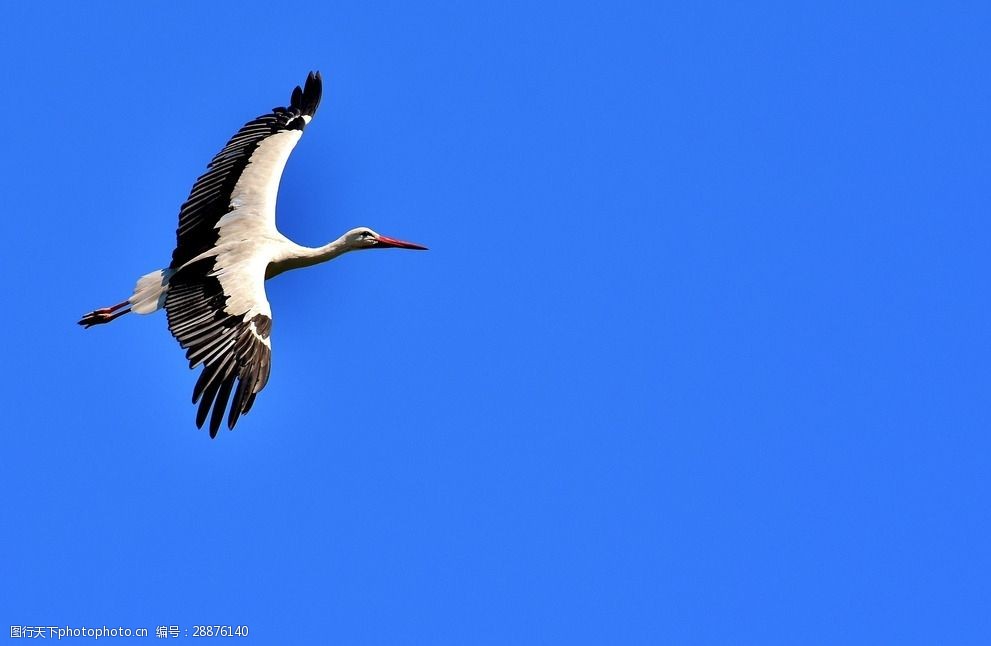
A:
(365, 238)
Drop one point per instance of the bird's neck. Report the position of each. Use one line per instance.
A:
(296, 256)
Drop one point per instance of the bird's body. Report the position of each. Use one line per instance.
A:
(213, 291)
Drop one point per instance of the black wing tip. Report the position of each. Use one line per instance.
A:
(306, 99)
(248, 368)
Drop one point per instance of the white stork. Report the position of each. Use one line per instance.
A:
(227, 246)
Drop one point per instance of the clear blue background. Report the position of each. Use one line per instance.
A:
(699, 353)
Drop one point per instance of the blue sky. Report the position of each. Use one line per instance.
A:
(699, 353)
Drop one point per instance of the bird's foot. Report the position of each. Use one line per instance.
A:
(103, 315)
(96, 317)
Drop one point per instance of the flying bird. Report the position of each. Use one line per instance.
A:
(227, 246)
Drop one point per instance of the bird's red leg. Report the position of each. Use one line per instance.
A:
(112, 308)
(120, 313)
(103, 315)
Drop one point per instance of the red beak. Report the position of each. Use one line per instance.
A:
(384, 241)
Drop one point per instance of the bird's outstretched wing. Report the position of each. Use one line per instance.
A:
(216, 302)
(237, 193)
(221, 317)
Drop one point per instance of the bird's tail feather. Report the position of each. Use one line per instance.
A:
(149, 293)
